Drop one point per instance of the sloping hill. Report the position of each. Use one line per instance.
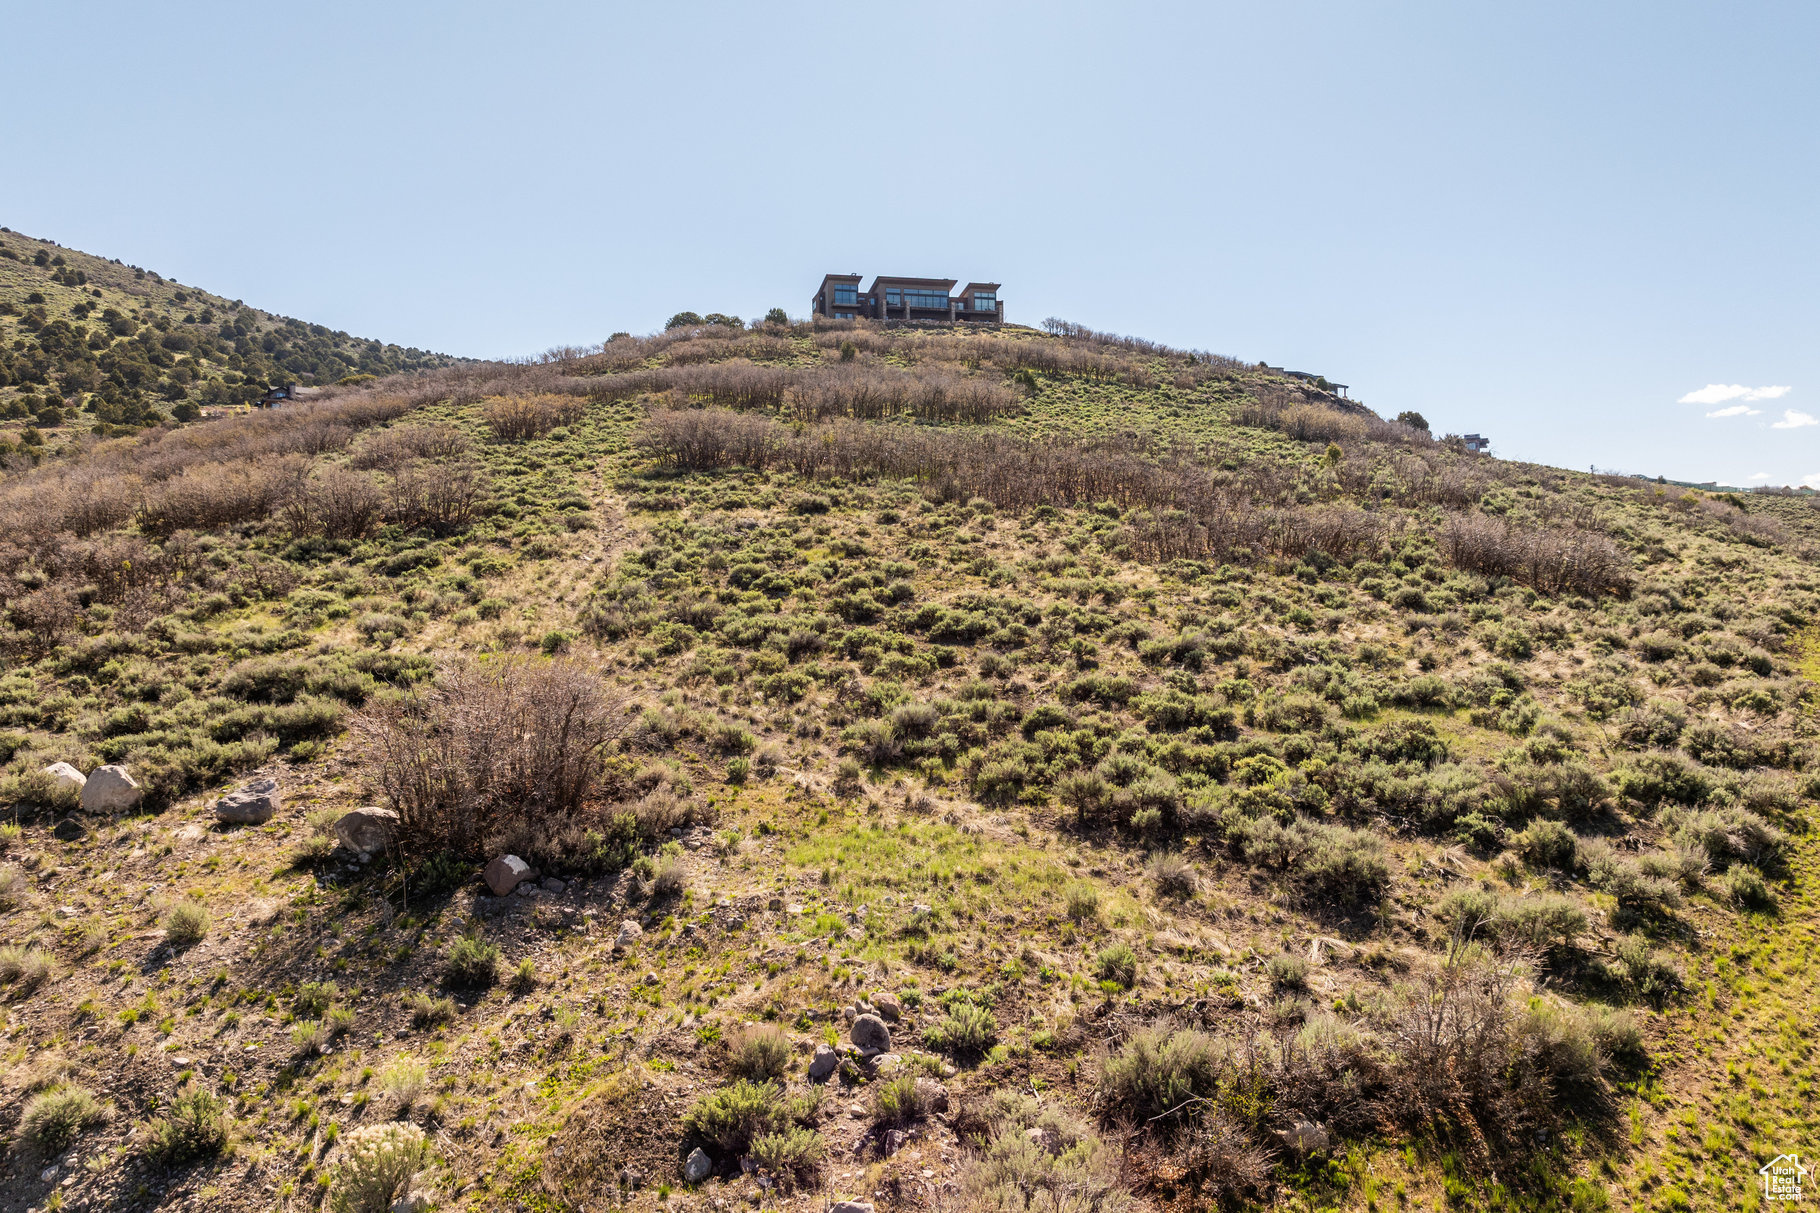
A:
(1217, 798)
(85, 341)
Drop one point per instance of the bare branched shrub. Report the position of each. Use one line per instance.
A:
(210, 496)
(516, 418)
(1551, 559)
(391, 449)
(492, 743)
(337, 503)
(442, 497)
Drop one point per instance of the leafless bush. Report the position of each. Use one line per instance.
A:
(491, 742)
(443, 496)
(1180, 509)
(337, 503)
(210, 496)
(1550, 559)
(394, 448)
(517, 418)
(864, 391)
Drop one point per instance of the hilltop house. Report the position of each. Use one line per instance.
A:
(274, 396)
(1478, 444)
(1320, 381)
(929, 299)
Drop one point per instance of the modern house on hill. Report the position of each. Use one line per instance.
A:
(932, 299)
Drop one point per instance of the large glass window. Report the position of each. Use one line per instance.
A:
(985, 301)
(930, 299)
(847, 293)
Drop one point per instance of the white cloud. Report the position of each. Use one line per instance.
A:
(1794, 420)
(1719, 393)
(1758, 476)
(1812, 480)
(1735, 410)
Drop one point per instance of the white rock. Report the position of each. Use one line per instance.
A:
(823, 1064)
(628, 932)
(505, 873)
(65, 776)
(853, 1206)
(367, 829)
(253, 805)
(110, 789)
(889, 1008)
(698, 1166)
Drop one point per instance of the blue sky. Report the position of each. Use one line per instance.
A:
(1582, 230)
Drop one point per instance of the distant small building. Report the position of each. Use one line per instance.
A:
(1478, 444)
(932, 299)
(275, 396)
(1320, 381)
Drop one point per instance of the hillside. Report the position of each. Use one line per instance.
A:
(946, 770)
(87, 342)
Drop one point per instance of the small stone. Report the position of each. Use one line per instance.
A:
(698, 1166)
(553, 885)
(69, 829)
(505, 873)
(849, 1013)
(823, 1064)
(889, 1008)
(367, 829)
(252, 805)
(110, 789)
(629, 932)
(853, 1206)
(66, 776)
(775, 905)
(894, 1141)
(870, 1034)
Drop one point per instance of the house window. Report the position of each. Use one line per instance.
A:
(843, 315)
(929, 299)
(847, 294)
(985, 301)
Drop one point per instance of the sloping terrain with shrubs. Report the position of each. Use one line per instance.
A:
(818, 766)
(90, 344)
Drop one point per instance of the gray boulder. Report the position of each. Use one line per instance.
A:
(63, 775)
(698, 1166)
(889, 1008)
(367, 829)
(505, 873)
(629, 932)
(823, 1065)
(255, 804)
(110, 789)
(853, 1206)
(870, 1035)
